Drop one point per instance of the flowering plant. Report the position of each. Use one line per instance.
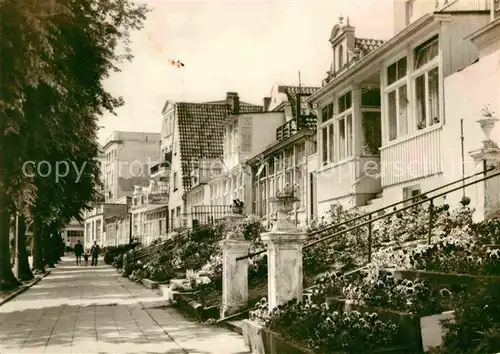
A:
(325, 330)
(289, 192)
(486, 112)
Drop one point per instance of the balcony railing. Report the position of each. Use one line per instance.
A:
(208, 214)
(295, 125)
(158, 195)
(159, 166)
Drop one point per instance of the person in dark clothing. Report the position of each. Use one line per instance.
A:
(78, 250)
(94, 251)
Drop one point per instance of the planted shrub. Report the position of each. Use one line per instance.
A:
(477, 322)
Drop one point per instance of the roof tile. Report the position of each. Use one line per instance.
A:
(201, 133)
(367, 45)
(293, 91)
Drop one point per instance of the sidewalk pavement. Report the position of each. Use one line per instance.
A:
(90, 310)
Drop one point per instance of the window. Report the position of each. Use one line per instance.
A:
(348, 134)
(342, 138)
(324, 146)
(328, 145)
(345, 102)
(331, 142)
(341, 56)
(327, 112)
(175, 181)
(410, 192)
(397, 99)
(246, 139)
(396, 71)
(427, 83)
(426, 52)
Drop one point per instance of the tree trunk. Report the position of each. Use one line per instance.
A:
(37, 249)
(7, 279)
(48, 247)
(22, 254)
(56, 242)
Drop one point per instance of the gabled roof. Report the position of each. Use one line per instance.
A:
(201, 133)
(225, 102)
(292, 93)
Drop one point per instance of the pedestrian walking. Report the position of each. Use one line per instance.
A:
(78, 250)
(94, 251)
(86, 257)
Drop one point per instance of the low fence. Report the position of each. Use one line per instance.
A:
(208, 214)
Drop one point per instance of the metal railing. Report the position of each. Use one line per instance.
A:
(415, 201)
(208, 214)
(295, 125)
(160, 166)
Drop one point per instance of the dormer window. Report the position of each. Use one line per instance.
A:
(341, 56)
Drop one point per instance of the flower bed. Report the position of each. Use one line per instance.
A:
(411, 305)
(323, 330)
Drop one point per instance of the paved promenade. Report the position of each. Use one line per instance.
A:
(90, 310)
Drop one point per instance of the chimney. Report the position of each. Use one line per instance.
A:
(267, 103)
(233, 100)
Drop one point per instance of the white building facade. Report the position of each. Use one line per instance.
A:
(382, 115)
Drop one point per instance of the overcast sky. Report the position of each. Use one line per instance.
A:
(245, 46)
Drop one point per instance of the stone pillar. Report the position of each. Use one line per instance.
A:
(487, 157)
(488, 190)
(284, 253)
(234, 273)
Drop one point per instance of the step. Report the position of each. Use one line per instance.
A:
(235, 325)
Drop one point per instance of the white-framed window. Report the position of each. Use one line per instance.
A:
(327, 112)
(426, 83)
(344, 127)
(397, 99)
(410, 192)
(337, 135)
(328, 144)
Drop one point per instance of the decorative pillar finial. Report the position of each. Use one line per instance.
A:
(487, 122)
(341, 19)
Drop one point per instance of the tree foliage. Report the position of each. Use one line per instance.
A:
(54, 56)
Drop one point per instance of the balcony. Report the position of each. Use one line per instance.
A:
(294, 126)
(160, 171)
(413, 158)
(158, 195)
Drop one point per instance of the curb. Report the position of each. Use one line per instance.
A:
(23, 288)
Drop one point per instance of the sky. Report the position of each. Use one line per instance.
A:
(243, 46)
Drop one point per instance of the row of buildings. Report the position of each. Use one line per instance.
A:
(385, 123)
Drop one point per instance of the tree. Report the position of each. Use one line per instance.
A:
(53, 63)
(22, 262)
